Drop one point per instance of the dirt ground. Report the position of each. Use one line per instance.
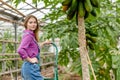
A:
(48, 72)
(8, 77)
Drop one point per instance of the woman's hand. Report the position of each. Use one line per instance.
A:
(47, 42)
(32, 60)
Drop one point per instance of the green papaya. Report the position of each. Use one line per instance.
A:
(95, 3)
(94, 12)
(72, 10)
(88, 5)
(81, 9)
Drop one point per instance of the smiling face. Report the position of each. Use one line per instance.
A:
(31, 24)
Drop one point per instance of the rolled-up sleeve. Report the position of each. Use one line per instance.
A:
(25, 42)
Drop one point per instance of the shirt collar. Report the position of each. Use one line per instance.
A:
(29, 31)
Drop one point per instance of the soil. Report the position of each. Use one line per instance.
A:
(48, 72)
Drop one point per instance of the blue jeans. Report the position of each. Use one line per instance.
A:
(31, 71)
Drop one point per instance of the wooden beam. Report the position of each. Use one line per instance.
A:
(7, 9)
(12, 8)
(10, 15)
(34, 8)
(11, 71)
(8, 41)
(11, 21)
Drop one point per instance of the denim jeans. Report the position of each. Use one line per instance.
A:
(31, 71)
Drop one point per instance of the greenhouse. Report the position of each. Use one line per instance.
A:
(77, 39)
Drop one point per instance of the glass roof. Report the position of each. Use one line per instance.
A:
(23, 9)
(10, 14)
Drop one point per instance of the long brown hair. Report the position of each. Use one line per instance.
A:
(36, 31)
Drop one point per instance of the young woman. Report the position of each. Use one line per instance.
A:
(29, 50)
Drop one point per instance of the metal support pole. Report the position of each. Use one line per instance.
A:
(15, 27)
(3, 47)
(16, 62)
(3, 51)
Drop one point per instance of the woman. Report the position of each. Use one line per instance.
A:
(29, 50)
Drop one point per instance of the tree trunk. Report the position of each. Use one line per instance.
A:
(82, 48)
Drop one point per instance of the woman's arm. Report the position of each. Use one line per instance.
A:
(45, 42)
(23, 46)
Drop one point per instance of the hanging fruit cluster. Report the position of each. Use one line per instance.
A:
(81, 7)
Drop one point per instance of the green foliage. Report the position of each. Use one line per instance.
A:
(104, 28)
(0, 46)
(17, 2)
(68, 39)
(9, 48)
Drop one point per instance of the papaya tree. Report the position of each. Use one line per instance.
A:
(82, 9)
(99, 27)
